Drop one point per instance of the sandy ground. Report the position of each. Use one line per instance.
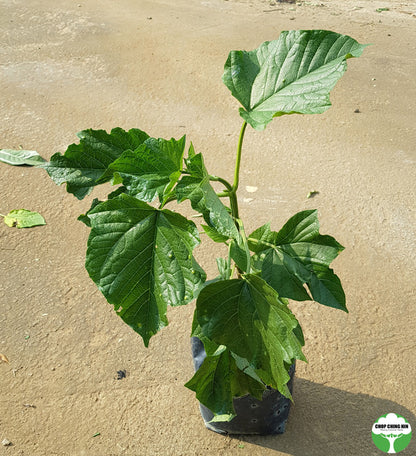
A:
(70, 65)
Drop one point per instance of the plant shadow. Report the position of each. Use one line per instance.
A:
(331, 422)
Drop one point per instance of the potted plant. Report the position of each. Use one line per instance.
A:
(140, 250)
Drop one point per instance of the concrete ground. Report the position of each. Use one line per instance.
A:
(157, 65)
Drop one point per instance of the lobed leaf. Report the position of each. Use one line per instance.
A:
(293, 74)
(141, 259)
(219, 380)
(150, 170)
(83, 164)
(247, 316)
(298, 255)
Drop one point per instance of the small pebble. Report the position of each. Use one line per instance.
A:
(6, 442)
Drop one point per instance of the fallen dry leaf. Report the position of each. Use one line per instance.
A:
(3, 358)
(312, 194)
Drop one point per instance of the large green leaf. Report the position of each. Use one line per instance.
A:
(247, 316)
(197, 188)
(141, 260)
(150, 170)
(219, 380)
(298, 255)
(293, 74)
(84, 163)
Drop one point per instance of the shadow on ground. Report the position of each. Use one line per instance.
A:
(324, 419)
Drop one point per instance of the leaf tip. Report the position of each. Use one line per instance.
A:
(221, 418)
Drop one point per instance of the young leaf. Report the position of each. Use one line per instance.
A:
(224, 268)
(84, 163)
(20, 157)
(293, 74)
(218, 381)
(197, 188)
(151, 170)
(214, 235)
(240, 255)
(141, 260)
(247, 316)
(22, 218)
(299, 255)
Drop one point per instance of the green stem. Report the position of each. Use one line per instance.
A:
(233, 195)
(261, 242)
(234, 206)
(238, 159)
(233, 191)
(224, 182)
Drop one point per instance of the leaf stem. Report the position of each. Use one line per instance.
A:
(261, 242)
(226, 184)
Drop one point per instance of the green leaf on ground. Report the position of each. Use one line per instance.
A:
(293, 74)
(83, 164)
(22, 218)
(247, 316)
(298, 255)
(141, 259)
(21, 157)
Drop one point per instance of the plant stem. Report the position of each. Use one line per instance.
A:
(233, 191)
(234, 206)
(238, 159)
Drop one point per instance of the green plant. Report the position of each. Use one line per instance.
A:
(140, 255)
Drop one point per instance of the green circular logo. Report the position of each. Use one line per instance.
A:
(391, 433)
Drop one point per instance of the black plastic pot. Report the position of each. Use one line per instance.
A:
(265, 417)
